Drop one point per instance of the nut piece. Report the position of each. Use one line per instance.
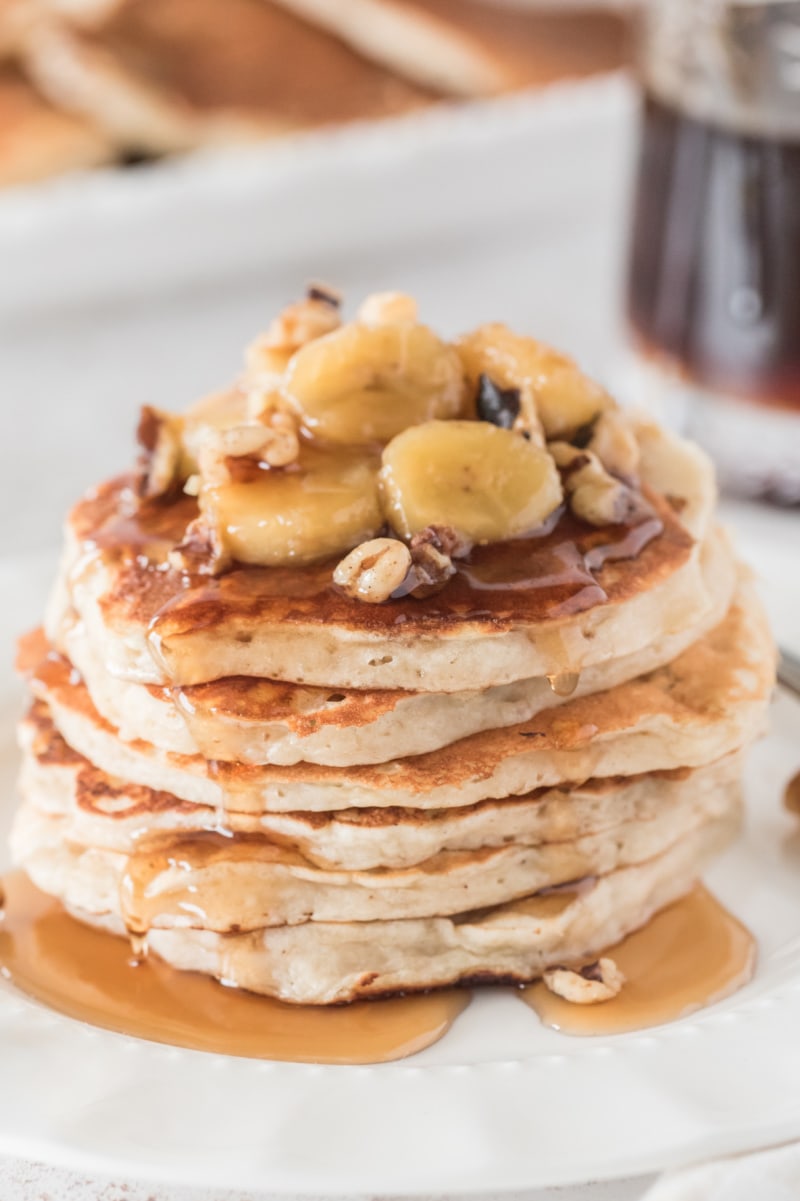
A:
(388, 308)
(374, 570)
(269, 406)
(444, 538)
(225, 455)
(432, 569)
(594, 495)
(587, 985)
(615, 444)
(159, 435)
(432, 552)
(201, 551)
(299, 323)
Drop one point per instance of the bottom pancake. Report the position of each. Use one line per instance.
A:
(327, 963)
(38, 140)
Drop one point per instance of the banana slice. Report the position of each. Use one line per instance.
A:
(551, 386)
(323, 505)
(365, 383)
(485, 482)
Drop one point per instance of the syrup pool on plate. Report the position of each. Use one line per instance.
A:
(89, 975)
(688, 956)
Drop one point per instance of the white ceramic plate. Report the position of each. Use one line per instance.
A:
(120, 289)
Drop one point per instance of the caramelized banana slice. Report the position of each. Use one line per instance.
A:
(365, 383)
(323, 505)
(555, 395)
(485, 482)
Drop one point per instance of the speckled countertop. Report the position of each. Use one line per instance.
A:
(21, 1180)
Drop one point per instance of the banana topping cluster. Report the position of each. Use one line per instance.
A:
(377, 442)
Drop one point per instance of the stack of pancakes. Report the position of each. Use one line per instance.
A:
(260, 778)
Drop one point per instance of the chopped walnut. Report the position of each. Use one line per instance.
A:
(430, 570)
(615, 444)
(587, 985)
(325, 293)
(374, 570)
(317, 314)
(432, 552)
(201, 551)
(528, 422)
(273, 442)
(159, 435)
(271, 407)
(388, 308)
(594, 495)
(444, 538)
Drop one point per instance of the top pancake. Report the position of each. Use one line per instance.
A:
(269, 721)
(540, 606)
(36, 140)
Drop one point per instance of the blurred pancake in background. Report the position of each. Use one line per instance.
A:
(14, 17)
(38, 140)
(171, 74)
(472, 47)
(149, 77)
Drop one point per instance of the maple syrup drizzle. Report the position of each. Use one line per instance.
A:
(564, 683)
(550, 574)
(688, 956)
(87, 975)
(165, 879)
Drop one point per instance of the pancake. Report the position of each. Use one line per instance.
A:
(14, 18)
(548, 605)
(111, 814)
(213, 882)
(36, 140)
(324, 963)
(708, 702)
(258, 721)
(470, 47)
(161, 75)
